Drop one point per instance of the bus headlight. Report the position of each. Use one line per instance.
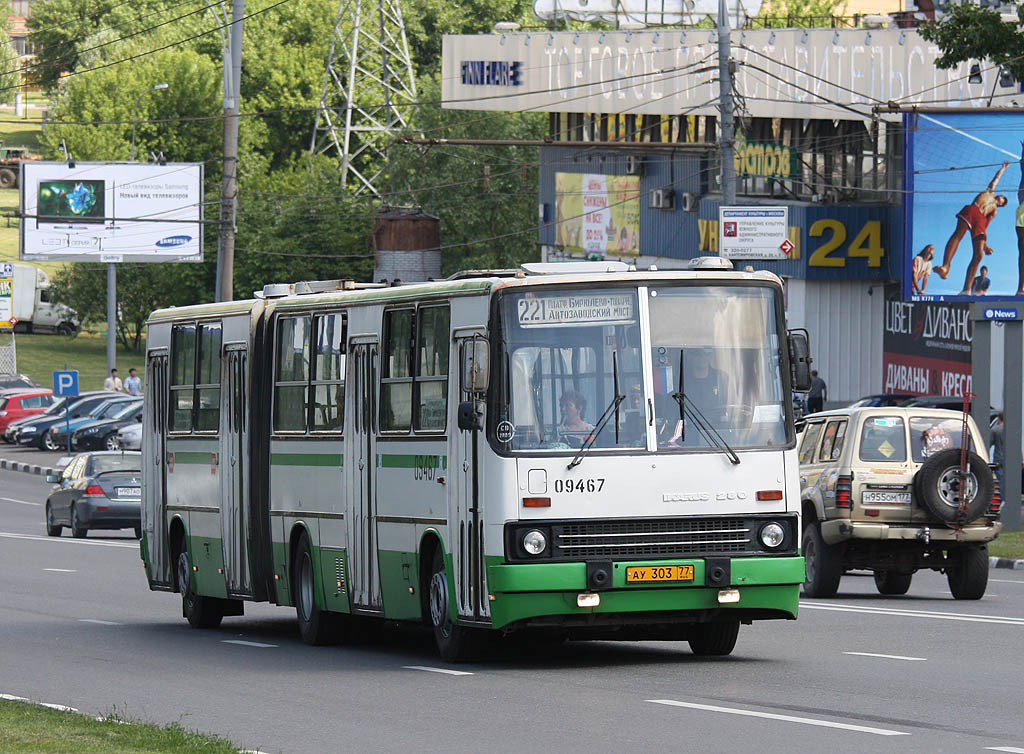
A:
(772, 535)
(534, 542)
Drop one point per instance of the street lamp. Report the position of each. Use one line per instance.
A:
(135, 113)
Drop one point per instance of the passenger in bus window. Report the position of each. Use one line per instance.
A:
(573, 429)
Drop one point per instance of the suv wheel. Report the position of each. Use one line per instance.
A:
(823, 563)
(892, 582)
(967, 572)
(938, 483)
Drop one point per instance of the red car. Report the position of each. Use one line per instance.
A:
(19, 403)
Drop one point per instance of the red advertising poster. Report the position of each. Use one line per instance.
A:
(926, 348)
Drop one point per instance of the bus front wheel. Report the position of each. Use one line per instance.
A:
(201, 612)
(714, 639)
(455, 643)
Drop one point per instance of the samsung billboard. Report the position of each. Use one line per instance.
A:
(111, 212)
(963, 206)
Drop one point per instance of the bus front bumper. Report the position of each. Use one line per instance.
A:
(530, 593)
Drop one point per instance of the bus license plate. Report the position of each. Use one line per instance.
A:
(128, 491)
(652, 574)
(891, 498)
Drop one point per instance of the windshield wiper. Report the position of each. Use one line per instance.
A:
(688, 410)
(611, 410)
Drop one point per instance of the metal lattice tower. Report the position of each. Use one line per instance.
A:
(368, 89)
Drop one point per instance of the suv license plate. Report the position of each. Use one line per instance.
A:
(128, 491)
(890, 498)
(651, 574)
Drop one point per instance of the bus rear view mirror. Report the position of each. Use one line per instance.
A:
(800, 360)
(475, 365)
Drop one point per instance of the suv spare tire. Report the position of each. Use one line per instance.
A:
(938, 482)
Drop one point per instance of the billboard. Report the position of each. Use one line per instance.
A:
(111, 212)
(597, 213)
(963, 206)
(781, 73)
(926, 347)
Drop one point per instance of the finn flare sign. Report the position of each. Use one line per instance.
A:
(754, 232)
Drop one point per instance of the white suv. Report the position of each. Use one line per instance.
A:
(880, 491)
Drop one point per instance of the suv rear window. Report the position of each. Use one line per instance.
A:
(928, 436)
(883, 438)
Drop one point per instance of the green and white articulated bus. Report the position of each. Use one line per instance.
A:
(580, 448)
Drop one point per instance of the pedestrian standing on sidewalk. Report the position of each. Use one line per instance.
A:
(998, 449)
(133, 385)
(818, 395)
(113, 382)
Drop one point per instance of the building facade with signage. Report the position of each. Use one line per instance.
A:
(632, 171)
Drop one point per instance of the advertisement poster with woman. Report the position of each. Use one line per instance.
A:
(963, 206)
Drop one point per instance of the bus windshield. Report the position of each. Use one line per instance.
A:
(566, 354)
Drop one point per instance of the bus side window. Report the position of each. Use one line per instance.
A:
(329, 374)
(208, 378)
(183, 368)
(396, 373)
(292, 374)
(433, 339)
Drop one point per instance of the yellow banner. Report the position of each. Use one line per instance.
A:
(598, 213)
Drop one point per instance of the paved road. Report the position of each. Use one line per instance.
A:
(858, 673)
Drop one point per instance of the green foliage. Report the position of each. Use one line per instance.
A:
(798, 13)
(969, 32)
(482, 226)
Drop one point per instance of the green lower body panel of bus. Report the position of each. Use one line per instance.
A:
(767, 588)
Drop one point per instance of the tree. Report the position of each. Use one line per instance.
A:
(798, 13)
(969, 32)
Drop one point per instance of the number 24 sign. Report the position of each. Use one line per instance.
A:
(866, 244)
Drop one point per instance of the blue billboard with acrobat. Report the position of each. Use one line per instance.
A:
(963, 206)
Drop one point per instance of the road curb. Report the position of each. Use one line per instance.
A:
(29, 468)
(1017, 565)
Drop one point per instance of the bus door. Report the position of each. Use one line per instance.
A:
(234, 442)
(465, 511)
(154, 470)
(363, 564)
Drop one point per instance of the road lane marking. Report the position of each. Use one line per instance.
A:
(1008, 749)
(1009, 581)
(885, 657)
(782, 718)
(247, 643)
(428, 669)
(61, 570)
(59, 707)
(100, 622)
(20, 502)
(968, 617)
(70, 540)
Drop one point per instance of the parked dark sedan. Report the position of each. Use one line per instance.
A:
(951, 402)
(101, 490)
(103, 434)
(33, 431)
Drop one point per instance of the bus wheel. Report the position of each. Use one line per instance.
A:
(714, 639)
(455, 643)
(201, 612)
(315, 625)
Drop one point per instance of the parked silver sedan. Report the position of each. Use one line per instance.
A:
(98, 490)
(130, 437)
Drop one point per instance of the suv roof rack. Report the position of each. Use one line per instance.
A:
(307, 287)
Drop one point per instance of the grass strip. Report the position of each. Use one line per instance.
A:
(27, 728)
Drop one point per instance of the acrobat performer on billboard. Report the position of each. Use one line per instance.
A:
(950, 158)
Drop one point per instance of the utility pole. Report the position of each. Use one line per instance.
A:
(727, 130)
(232, 47)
